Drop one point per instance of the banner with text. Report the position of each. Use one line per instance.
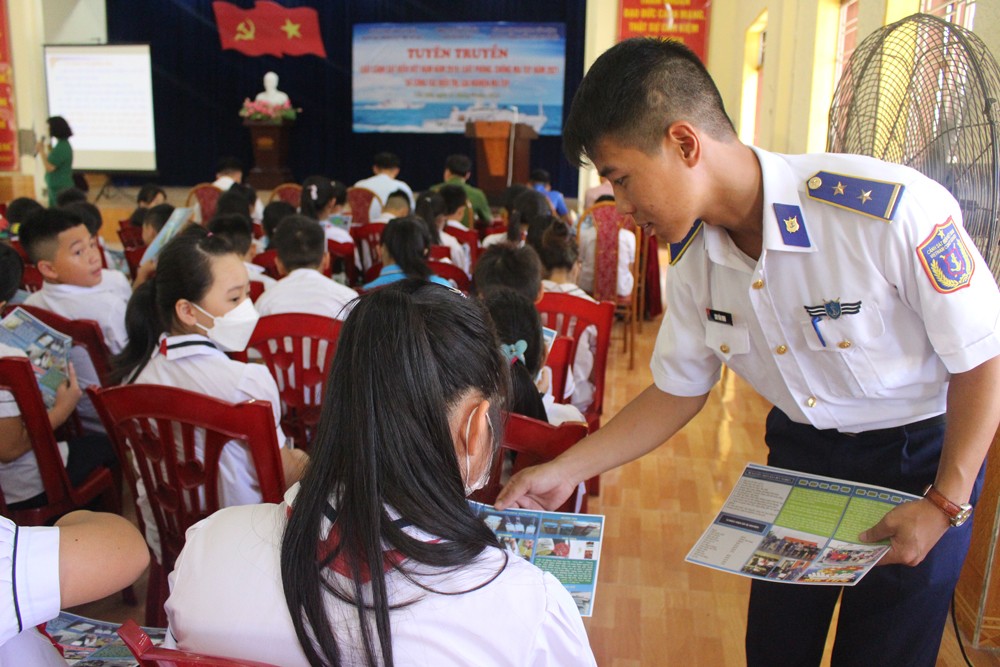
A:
(436, 77)
(8, 122)
(683, 20)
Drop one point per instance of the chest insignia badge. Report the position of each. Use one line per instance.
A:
(832, 309)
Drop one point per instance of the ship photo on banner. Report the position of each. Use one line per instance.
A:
(436, 77)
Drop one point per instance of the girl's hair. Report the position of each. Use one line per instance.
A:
(557, 249)
(408, 241)
(59, 128)
(11, 271)
(516, 319)
(526, 206)
(430, 205)
(398, 348)
(183, 271)
(317, 193)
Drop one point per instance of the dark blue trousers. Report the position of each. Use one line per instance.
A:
(896, 614)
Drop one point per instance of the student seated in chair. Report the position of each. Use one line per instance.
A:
(238, 230)
(376, 558)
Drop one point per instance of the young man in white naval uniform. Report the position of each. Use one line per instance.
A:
(846, 291)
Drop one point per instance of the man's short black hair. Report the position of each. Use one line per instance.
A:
(40, 232)
(539, 176)
(148, 192)
(90, 214)
(235, 228)
(458, 164)
(274, 213)
(635, 91)
(233, 200)
(300, 242)
(506, 265)
(11, 270)
(19, 209)
(229, 164)
(386, 160)
(157, 216)
(454, 197)
(70, 195)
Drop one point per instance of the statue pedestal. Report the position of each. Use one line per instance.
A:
(270, 154)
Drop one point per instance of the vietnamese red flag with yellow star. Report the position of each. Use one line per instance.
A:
(269, 29)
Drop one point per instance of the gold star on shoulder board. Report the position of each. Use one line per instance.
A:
(292, 29)
(838, 189)
(865, 196)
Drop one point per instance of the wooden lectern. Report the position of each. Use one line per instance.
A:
(492, 154)
(270, 154)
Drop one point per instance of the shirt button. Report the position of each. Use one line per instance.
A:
(781, 349)
(724, 348)
(810, 402)
(844, 344)
(757, 284)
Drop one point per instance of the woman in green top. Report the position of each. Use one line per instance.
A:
(58, 161)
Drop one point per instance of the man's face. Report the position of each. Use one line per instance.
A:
(77, 260)
(656, 189)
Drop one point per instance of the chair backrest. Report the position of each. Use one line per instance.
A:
(133, 258)
(31, 279)
(85, 333)
(560, 362)
(607, 221)
(290, 193)
(148, 655)
(17, 375)
(360, 200)
(298, 349)
(266, 259)
(569, 315)
(345, 254)
(368, 238)
(256, 289)
(131, 236)
(451, 272)
(470, 239)
(207, 196)
(16, 245)
(439, 252)
(535, 442)
(175, 437)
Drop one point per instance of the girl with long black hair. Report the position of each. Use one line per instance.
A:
(376, 558)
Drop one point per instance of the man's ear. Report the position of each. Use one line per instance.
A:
(684, 138)
(48, 270)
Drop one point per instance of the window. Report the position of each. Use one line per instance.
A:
(960, 12)
(847, 36)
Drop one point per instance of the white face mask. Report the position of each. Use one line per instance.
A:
(232, 331)
(485, 477)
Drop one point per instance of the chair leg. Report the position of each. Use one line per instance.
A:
(156, 595)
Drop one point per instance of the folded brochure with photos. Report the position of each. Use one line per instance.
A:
(566, 545)
(46, 348)
(786, 526)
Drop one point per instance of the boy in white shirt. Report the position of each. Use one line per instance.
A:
(77, 288)
(301, 247)
(455, 201)
(238, 230)
(397, 205)
(385, 167)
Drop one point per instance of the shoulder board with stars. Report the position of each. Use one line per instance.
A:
(678, 249)
(876, 199)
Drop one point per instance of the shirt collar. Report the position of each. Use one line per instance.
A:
(785, 226)
(187, 345)
(253, 268)
(69, 289)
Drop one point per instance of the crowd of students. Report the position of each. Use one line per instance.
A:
(392, 480)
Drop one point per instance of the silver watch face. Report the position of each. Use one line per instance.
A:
(962, 516)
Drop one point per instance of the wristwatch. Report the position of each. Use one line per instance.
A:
(957, 514)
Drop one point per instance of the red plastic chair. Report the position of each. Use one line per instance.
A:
(608, 222)
(440, 252)
(266, 260)
(290, 193)
(133, 257)
(85, 333)
(20, 251)
(17, 376)
(131, 236)
(256, 289)
(298, 349)
(451, 272)
(207, 196)
(360, 200)
(560, 362)
(157, 428)
(470, 239)
(141, 646)
(31, 279)
(368, 239)
(344, 254)
(535, 442)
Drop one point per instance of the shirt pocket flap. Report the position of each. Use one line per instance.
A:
(727, 340)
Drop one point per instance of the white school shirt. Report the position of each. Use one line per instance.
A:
(228, 576)
(20, 478)
(383, 185)
(29, 581)
(459, 257)
(307, 291)
(626, 256)
(193, 362)
(582, 394)
(255, 273)
(105, 303)
(892, 314)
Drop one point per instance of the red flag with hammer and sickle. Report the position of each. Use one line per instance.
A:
(269, 29)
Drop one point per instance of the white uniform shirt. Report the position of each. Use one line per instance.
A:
(885, 359)
(228, 576)
(29, 581)
(307, 291)
(626, 256)
(255, 273)
(582, 394)
(459, 255)
(202, 367)
(20, 478)
(105, 303)
(383, 185)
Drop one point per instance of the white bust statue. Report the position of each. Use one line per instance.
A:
(271, 94)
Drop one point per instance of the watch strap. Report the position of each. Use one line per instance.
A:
(953, 511)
